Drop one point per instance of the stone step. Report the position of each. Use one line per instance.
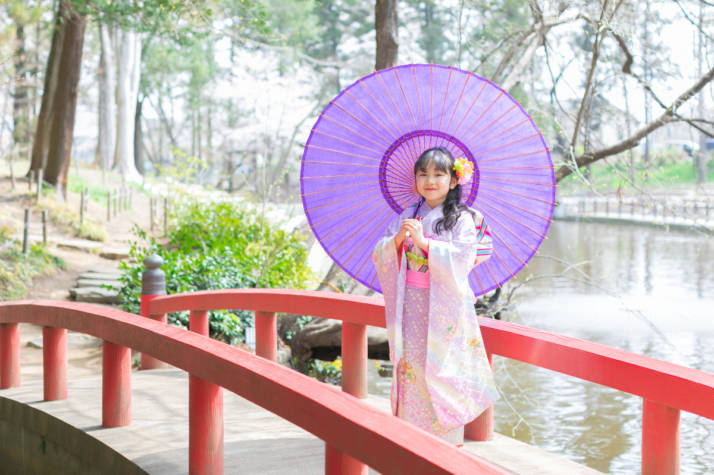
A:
(99, 275)
(94, 295)
(114, 253)
(98, 283)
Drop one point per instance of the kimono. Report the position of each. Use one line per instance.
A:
(441, 379)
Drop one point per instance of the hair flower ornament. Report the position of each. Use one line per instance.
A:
(464, 170)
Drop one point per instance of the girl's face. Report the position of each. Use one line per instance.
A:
(433, 184)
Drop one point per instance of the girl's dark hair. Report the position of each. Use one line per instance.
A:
(442, 160)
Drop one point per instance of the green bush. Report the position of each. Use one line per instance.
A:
(218, 246)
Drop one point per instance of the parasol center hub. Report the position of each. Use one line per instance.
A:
(396, 169)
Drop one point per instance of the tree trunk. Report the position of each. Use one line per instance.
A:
(386, 28)
(138, 139)
(107, 98)
(20, 108)
(41, 143)
(64, 104)
(701, 156)
(128, 70)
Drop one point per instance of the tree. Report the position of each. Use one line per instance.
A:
(107, 97)
(53, 137)
(127, 85)
(386, 29)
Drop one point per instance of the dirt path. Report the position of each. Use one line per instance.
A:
(84, 353)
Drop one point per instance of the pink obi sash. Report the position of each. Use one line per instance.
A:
(417, 279)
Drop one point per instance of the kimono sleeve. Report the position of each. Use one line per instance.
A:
(457, 256)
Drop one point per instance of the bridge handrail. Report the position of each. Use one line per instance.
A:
(348, 424)
(658, 381)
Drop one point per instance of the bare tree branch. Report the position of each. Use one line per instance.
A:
(669, 115)
(600, 31)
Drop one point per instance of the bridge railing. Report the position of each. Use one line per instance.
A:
(347, 424)
(665, 388)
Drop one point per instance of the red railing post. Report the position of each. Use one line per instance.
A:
(153, 284)
(333, 461)
(54, 362)
(354, 382)
(481, 428)
(660, 439)
(116, 385)
(9, 355)
(354, 359)
(205, 415)
(266, 335)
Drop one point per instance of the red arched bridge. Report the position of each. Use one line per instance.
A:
(356, 435)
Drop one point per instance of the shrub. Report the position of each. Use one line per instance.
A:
(217, 246)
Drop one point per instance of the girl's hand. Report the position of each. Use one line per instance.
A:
(417, 233)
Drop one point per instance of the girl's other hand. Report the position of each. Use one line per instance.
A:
(400, 236)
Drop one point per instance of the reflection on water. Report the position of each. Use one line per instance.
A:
(644, 290)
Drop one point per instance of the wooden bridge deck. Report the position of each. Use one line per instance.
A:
(256, 441)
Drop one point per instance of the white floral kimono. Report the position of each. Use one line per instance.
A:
(442, 379)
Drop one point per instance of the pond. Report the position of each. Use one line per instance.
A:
(645, 290)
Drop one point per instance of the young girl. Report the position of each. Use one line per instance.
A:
(442, 379)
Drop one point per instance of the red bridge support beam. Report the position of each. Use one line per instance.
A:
(205, 415)
(481, 428)
(54, 362)
(660, 439)
(354, 382)
(116, 385)
(266, 335)
(9, 355)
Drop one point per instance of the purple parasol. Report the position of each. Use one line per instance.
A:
(357, 166)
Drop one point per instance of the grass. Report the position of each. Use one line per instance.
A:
(17, 269)
(669, 174)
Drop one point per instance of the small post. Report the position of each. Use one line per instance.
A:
(30, 180)
(266, 335)
(205, 414)
(607, 207)
(151, 213)
(44, 227)
(109, 206)
(116, 203)
(26, 233)
(116, 385)
(9, 355)
(660, 439)
(54, 361)
(153, 284)
(481, 428)
(166, 215)
(40, 172)
(82, 203)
